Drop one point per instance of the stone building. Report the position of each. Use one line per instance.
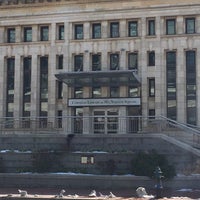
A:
(91, 66)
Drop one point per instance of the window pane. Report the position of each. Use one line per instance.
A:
(44, 33)
(27, 34)
(190, 25)
(96, 62)
(114, 62)
(43, 78)
(132, 60)
(134, 92)
(151, 27)
(114, 29)
(133, 29)
(61, 32)
(170, 27)
(78, 92)
(151, 87)
(59, 61)
(78, 63)
(96, 31)
(79, 31)
(11, 35)
(151, 58)
(96, 92)
(114, 92)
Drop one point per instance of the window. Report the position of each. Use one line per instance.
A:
(59, 62)
(10, 87)
(114, 61)
(151, 58)
(26, 86)
(27, 34)
(133, 60)
(133, 29)
(191, 87)
(78, 31)
(151, 113)
(96, 62)
(59, 119)
(151, 87)
(170, 26)
(96, 92)
(78, 92)
(44, 33)
(114, 29)
(190, 25)
(134, 91)
(151, 27)
(171, 84)
(61, 32)
(96, 31)
(11, 35)
(60, 89)
(78, 63)
(114, 92)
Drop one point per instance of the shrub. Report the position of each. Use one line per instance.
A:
(144, 164)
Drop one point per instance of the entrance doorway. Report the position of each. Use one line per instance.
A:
(105, 121)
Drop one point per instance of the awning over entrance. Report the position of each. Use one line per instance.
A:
(99, 78)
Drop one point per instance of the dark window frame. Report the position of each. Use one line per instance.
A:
(78, 62)
(96, 35)
(132, 33)
(96, 66)
(11, 35)
(188, 30)
(152, 85)
(61, 32)
(170, 28)
(78, 32)
(130, 64)
(151, 27)
(27, 34)
(151, 58)
(114, 30)
(44, 33)
(116, 65)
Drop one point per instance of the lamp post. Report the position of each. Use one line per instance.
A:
(159, 187)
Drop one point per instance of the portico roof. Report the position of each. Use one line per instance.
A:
(99, 78)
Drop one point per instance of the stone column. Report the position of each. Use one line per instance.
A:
(86, 30)
(18, 34)
(180, 25)
(123, 28)
(35, 87)
(181, 90)
(18, 96)
(3, 84)
(122, 123)
(35, 33)
(104, 29)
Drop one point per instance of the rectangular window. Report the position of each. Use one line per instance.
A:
(152, 113)
(151, 27)
(11, 35)
(133, 29)
(78, 92)
(96, 31)
(170, 26)
(151, 58)
(114, 29)
(44, 33)
(59, 62)
(151, 87)
(78, 63)
(59, 119)
(189, 25)
(96, 62)
(114, 61)
(134, 91)
(78, 31)
(27, 86)
(133, 60)
(96, 92)
(27, 34)
(10, 87)
(171, 84)
(114, 92)
(60, 89)
(61, 32)
(44, 78)
(191, 87)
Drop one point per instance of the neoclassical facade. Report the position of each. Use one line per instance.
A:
(89, 66)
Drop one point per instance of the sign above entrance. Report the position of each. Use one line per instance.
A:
(104, 102)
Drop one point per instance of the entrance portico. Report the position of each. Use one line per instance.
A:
(99, 112)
